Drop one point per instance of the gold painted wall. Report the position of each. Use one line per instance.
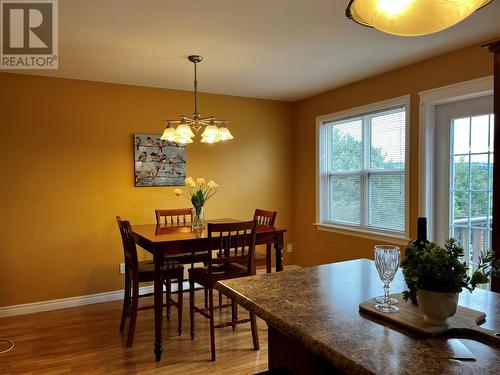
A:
(67, 171)
(316, 247)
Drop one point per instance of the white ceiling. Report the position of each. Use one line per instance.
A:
(276, 49)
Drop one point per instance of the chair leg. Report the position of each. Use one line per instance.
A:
(220, 301)
(133, 313)
(126, 302)
(169, 298)
(255, 335)
(234, 313)
(211, 312)
(205, 292)
(268, 258)
(191, 308)
(179, 303)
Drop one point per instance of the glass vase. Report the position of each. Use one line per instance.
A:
(198, 219)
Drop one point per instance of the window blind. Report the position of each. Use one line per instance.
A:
(366, 170)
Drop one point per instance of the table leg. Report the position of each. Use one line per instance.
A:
(158, 302)
(268, 258)
(278, 247)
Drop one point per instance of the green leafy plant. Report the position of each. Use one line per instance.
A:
(439, 269)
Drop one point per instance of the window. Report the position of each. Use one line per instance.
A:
(471, 183)
(456, 163)
(362, 174)
(464, 178)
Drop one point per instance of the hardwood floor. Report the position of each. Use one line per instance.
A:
(86, 340)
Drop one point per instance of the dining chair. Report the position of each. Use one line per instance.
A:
(140, 272)
(181, 217)
(234, 244)
(264, 218)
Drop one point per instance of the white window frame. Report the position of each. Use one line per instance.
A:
(444, 163)
(322, 175)
(429, 99)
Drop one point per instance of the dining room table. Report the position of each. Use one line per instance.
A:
(170, 239)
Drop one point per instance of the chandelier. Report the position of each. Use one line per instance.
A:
(183, 131)
(412, 17)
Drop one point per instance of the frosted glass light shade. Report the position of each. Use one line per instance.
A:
(168, 135)
(210, 131)
(210, 139)
(184, 130)
(225, 134)
(183, 140)
(412, 17)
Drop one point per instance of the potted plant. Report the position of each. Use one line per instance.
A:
(198, 193)
(435, 276)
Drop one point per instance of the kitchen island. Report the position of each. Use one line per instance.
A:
(315, 326)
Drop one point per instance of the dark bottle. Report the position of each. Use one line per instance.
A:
(421, 240)
(420, 244)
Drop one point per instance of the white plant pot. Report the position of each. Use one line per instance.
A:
(437, 306)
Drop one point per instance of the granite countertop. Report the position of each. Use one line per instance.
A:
(318, 307)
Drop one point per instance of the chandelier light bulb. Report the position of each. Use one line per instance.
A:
(393, 7)
(211, 139)
(225, 134)
(210, 131)
(168, 134)
(183, 140)
(184, 130)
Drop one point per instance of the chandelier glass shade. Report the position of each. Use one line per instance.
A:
(184, 130)
(412, 17)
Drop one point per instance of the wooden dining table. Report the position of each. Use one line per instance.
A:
(167, 239)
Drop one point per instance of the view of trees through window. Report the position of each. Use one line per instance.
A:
(471, 183)
(370, 170)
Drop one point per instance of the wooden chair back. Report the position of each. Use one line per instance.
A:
(234, 243)
(129, 248)
(177, 216)
(263, 217)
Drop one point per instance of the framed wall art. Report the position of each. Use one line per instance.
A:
(158, 162)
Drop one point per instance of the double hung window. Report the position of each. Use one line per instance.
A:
(363, 171)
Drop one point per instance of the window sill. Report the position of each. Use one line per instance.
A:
(401, 241)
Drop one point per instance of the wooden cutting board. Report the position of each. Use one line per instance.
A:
(465, 323)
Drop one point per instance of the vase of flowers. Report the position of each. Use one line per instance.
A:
(439, 275)
(198, 194)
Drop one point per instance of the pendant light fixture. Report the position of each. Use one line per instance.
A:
(183, 131)
(412, 17)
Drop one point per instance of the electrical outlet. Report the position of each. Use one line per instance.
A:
(290, 247)
(122, 267)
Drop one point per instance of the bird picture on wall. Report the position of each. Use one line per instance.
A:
(159, 157)
(158, 162)
(137, 142)
(142, 157)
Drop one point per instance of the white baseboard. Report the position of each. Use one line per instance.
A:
(64, 303)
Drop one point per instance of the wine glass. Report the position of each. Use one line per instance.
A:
(387, 262)
(392, 300)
